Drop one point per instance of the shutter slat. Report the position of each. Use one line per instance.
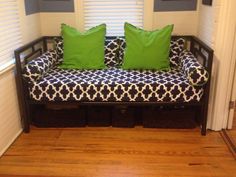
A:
(114, 13)
(10, 33)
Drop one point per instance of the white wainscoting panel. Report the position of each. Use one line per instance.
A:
(10, 124)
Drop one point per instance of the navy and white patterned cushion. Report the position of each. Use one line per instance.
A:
(59, 49)
(36, 68)
(114, 85)
(111, 52)
(121, 51)
(176, 47)
(193, 70)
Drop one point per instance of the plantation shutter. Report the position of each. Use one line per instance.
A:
(114, 13)
(10, 35)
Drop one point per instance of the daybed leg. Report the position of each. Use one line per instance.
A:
(204, 119)
(24, 108)
(203, 130)
(26, 128)
(23, 105)
(26, 119)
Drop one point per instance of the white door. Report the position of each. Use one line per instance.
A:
(233, 94)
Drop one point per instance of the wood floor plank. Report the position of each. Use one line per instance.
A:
(233, 131)
(231, 134)
(117, 152)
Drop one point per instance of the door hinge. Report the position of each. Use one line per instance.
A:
(231, 104)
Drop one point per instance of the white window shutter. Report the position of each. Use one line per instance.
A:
(10, 35)
(114, 13)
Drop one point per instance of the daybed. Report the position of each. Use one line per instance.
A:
(186, 85)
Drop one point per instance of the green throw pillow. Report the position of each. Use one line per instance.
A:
(83, 50)
(147, 49)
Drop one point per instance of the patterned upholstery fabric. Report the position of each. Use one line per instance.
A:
(122, 51)
(36, 68)
(176, 47)
(111, 52)
(59, 49)
(193, 70)
(114, 84)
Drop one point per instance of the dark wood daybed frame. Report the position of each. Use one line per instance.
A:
(39, 46)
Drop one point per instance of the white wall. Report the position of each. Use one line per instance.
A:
(185, 22)
(208, 22)
(10, 123)
(52, 25)
(30, 24)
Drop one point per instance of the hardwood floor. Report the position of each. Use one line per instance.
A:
(234, 124)
(114, 152)
(232, 133)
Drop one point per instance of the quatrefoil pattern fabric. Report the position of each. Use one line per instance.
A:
(59, 49)
(193, 70)
(176, 47)
(36, 68)
(121, 51)
(114, 85)
(111, 52)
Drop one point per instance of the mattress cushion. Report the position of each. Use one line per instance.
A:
(114, 85)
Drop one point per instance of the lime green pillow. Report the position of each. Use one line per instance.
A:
(147, 49)
(83, 50)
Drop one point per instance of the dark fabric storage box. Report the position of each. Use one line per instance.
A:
(156, 117)
(99, 116)
(44, 117)
(123, 116)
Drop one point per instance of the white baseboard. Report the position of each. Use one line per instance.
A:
(10, 142)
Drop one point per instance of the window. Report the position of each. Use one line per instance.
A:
(9, 31)
(114, 13)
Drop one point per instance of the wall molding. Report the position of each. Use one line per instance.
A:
(7, 69)
(10, 142)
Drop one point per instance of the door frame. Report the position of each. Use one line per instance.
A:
(233, 86)
(224, 66)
